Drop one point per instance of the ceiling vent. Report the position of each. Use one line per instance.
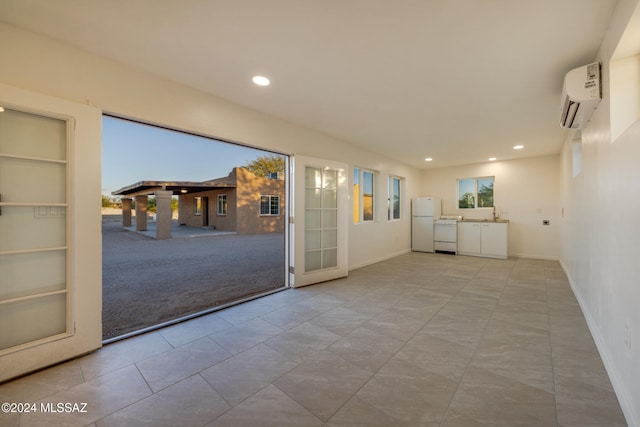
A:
(581, 94)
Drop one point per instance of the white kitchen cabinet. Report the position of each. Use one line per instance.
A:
(485, 239)
(469, 238)
(494, 239)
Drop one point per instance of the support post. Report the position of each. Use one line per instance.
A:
(141, 213)
(126, 212)
(163, 214)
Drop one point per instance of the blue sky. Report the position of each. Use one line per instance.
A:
(133, 152)
(466, 186)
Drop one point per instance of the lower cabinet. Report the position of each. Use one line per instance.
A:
(485, 239)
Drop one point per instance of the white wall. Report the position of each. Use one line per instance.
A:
(44, 65)
(601, 234)
(624, 89)
(525, 192)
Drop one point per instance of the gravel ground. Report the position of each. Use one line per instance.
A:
(146, 281)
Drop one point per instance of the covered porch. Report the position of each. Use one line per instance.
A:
(163, 191)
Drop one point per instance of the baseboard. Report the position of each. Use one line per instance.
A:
(375, 260)
(628, 410)
(530, 256)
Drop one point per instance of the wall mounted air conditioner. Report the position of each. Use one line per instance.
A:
(581, 94)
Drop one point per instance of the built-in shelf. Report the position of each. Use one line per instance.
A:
(33, 250)
(35, 159)
(34, 296)
(33, 204)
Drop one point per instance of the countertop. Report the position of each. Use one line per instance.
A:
(503, 221)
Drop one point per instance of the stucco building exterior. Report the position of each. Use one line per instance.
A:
(240, 202)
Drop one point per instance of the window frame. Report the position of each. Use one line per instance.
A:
(221, 198)
(474, 194)
(271, 205)
(359, 195)
(391, 211)
(197, 206)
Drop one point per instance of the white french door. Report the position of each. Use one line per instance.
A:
(319, 221)
(50, 259)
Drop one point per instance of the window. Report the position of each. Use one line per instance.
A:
(475, 193)
(197, 205)
(222, 204)
(394, 197)
(363, 195)
(269, 205)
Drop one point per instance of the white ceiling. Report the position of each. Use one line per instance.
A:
(456, 80)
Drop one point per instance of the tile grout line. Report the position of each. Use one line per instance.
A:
(553, 367)
(446, 413)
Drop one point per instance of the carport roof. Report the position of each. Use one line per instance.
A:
(178, 187)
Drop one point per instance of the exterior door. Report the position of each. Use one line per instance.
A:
(50, 259)
(205, 211)
(319, 219)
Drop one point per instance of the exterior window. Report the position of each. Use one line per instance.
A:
(222, 204)
(394, 197)
(363, 195)
(269, 205)
(197, 205)
(475, 193)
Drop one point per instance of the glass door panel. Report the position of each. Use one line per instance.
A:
(321, 240)
(21, 135)
(329, 258)
(29, 320)
(26, 228)
(312, 219)
(319, 221)
(32, 273)
(25, 180)
(33, 228)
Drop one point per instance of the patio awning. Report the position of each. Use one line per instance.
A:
(177, 187)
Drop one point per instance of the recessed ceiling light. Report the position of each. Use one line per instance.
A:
(518, 147)
(428, 159)
(1, 109)
(492, 159)
(261, 80)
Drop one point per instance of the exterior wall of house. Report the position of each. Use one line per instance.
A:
(220, 222)
(243, 206)
(186, 209)
(223, 222)
(249, 189)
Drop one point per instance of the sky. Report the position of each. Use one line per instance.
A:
(133, 152)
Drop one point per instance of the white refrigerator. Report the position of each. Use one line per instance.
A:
(424, 211)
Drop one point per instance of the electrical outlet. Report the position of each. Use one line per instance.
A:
(546, 222)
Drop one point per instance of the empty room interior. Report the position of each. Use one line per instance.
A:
(461, 185)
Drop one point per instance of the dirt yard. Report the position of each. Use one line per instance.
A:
(146, 281)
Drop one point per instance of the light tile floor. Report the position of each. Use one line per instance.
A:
(418, 340)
